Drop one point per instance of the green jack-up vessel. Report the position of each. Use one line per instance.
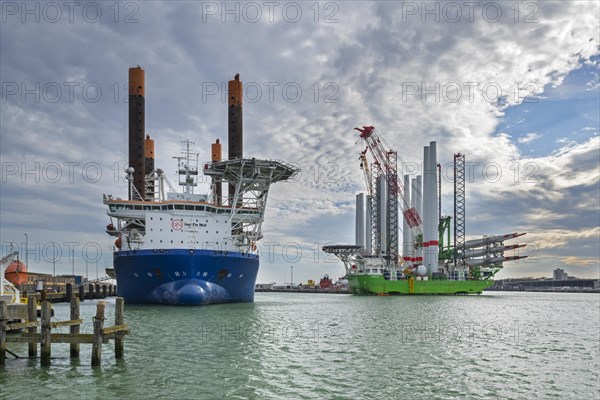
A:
(430, 263)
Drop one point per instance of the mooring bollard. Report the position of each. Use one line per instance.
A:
(32, 317)
(98, 326)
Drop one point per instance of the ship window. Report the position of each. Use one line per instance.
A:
(199, 208)
(112, 207)
(147, 207)
(128, 207)
(221, 211)
(138, 207)
(161, 241)
(171, 241)
(178, 206)
(189, 208)
(120, 206)
(150, 218)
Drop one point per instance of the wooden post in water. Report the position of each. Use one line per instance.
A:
(98, 326)
(45, 347)
(74, 328)
(69, 292)
(104, 291)
(119, 320)
(32, 317)
(97, 291)
(91, 291)
(3, 321)
(81, 292)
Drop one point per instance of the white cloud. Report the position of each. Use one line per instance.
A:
(530, 137)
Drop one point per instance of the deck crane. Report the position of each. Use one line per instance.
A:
(377, 149)
(364, 165)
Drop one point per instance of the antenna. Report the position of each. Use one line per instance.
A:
(187, 171)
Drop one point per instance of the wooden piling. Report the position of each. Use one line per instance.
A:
(74, 328)
(91, 291)
(3, 321)
(29, 333)
(97, 291)
(98, 326)
(45, 347)
(104, 292)
(81, 292)
(119, 320)
(69, 292)
(32, 317)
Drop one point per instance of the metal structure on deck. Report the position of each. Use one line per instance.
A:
(251, 179)
(392, 208)
(459, 210)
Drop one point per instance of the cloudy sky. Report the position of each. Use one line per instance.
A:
(514, 86)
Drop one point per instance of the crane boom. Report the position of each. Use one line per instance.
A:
(364, 165)
(375, 146)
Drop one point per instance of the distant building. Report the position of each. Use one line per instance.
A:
(559, 274)
(56, 283)
(263, 286)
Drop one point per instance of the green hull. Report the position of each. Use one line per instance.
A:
(375, 284)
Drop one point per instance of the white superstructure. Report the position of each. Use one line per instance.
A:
(195, 221)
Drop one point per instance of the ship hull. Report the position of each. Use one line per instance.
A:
(185, 277)
(376, 284)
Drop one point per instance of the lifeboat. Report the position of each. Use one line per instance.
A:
(111, 230)
(16, 273)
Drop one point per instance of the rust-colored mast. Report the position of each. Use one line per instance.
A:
(217, 151)
(137, 129)
(235, 126)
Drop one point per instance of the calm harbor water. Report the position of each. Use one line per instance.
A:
(287, 346)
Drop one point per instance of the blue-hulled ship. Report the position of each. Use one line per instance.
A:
(180, 247)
